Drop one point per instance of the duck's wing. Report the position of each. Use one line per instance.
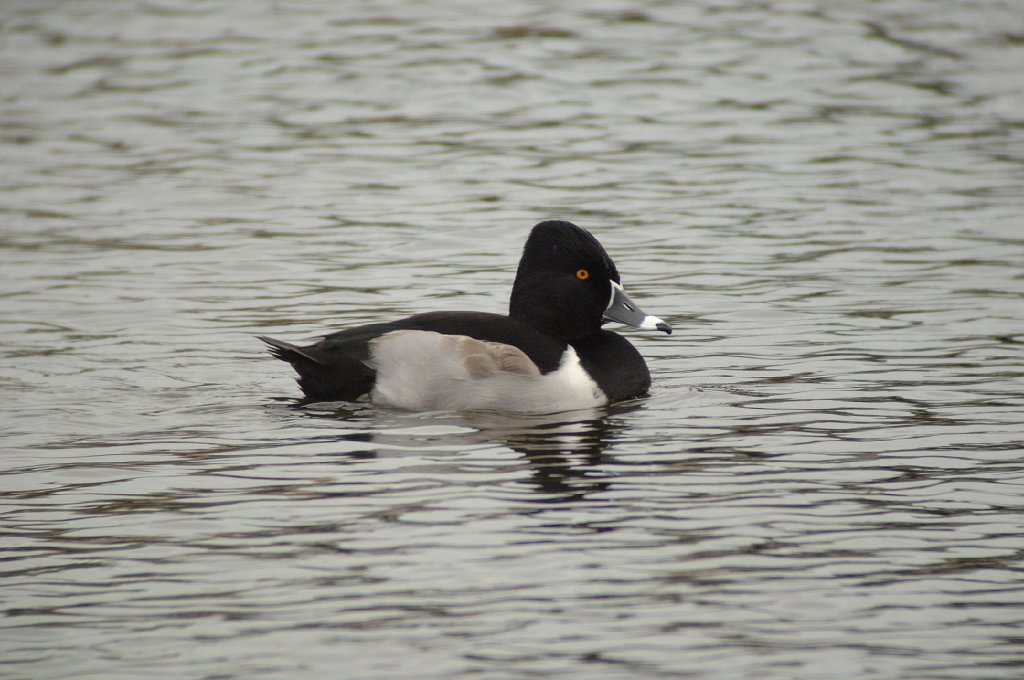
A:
(339, 366)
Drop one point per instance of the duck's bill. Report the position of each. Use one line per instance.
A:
(623, 310)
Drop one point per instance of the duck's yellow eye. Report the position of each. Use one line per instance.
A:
(582, 274)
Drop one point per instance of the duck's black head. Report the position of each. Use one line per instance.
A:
(567, 285)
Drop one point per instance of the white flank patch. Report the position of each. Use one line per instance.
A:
(427, 371)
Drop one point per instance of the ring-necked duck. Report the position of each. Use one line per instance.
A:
(549, 354)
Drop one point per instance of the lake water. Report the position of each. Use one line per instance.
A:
(825, 199)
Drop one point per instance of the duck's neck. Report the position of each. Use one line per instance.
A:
(564, 320)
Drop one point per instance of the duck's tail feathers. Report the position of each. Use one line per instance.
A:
(286, 351)
(324, 374)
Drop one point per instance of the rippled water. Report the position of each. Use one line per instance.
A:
(824, 199)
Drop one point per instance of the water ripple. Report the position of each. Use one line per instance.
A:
(824, 201)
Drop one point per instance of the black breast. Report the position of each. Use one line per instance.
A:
(614, 364)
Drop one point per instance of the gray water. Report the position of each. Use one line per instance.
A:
(825, 199)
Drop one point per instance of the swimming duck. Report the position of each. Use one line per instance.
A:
(549, 354)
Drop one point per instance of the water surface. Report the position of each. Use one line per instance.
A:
(824, 200)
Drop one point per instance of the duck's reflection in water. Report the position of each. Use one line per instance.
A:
(565, 451)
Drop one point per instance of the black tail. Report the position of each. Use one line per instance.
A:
(324, 372)
(285, 351)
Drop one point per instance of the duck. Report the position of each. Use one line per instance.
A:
(547, 355)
